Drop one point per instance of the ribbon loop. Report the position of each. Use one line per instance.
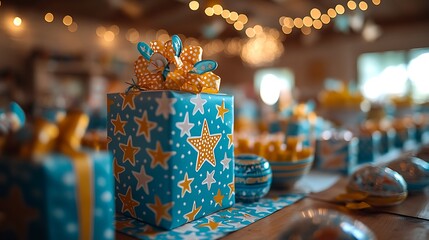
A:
(174, 67)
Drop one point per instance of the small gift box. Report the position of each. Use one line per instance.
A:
(55, 190)
(337, 152)
(368, 146)
(173, 150)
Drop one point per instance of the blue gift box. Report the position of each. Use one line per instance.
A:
(368, 147)
(173, 155)
(44, 198)
(387, 141)
(336, 155)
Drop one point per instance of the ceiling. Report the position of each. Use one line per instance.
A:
(176, 17)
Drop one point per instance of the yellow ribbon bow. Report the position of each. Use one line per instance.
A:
(167, 68)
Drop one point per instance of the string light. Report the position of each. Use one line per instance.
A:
(67, 20)
(194, 5)
(363, 6)
(376, 2)
(231, 17)
(351, 5)
(340, 9)
(17, 21)
(109, 36)
(49, 17)
(315, 13)
(72, 27)
(332, 13)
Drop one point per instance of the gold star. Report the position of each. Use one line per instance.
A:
(190, 216)
(129, 151)
(205, 145)
(110, 102)
(128, 203)
(117, 169)
(221, 110)
(118, 125)
(210, 224)
(121, 225)
(128, 100)
(230, 140)
(159, 157)
(10, 207)
(231, 189)
(185, 185)
(218, 198)
(145, 126)
(160, 210)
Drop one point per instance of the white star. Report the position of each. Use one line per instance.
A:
(165, 106)
(142, 179)
(209, 179)
(189, 227)
(237, 225)
(185, 126)
(247, 217)
(199, 104)
(260, 209)
(225, 162)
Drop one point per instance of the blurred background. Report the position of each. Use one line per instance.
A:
(369, 56)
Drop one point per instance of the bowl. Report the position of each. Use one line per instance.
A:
(252, 177)
(287, 173)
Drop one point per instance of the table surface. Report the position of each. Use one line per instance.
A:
(409, 220)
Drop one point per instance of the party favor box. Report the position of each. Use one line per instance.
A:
(336, 155)
(57, 197)
(173, 154)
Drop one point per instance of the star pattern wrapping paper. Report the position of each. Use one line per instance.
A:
(214, 226)
(38, 199)
(172, 153)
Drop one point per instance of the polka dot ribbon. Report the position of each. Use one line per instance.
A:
(168, 66)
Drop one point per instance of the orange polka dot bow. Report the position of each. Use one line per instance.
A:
(170, 66)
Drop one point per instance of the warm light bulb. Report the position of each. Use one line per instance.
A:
(363, 6)
(325, 18)
(233, 16)
(306, 30)
(351, 5)
(17, 21)
(217, 9)
(242, 18)
(340, 9)
(332, 13)
(209, 11)
(100, 31)
(288, 22)
(115, 29)
(258, 29)
(317, 24)
(238, 26)
(376, 2)
(298, 22)
(194, 5)
(307, 21)
(109, 36)
(226, 13)
(250, 32)
(67, 20)
(49, 17)
(286, 30)
(315, 13)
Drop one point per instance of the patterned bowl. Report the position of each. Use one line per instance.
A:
(287, 173)
(252, 177)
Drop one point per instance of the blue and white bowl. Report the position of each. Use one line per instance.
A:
(253, 177)
(287, 173)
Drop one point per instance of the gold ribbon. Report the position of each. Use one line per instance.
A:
(65, 137)
(180, 76)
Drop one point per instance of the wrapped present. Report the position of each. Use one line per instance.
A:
(368, 147)
(336, 152)
(387, 138)
(55, 190)
(300, 129)
(173, 150)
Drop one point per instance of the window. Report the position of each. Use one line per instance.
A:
(394, 73)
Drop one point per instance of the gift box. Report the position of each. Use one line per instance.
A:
(57, 197)
(336, 154)
(299, 128)
(173, 155)
(368, 147)
(387, 139)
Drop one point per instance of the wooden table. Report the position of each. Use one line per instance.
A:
(410, 220)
